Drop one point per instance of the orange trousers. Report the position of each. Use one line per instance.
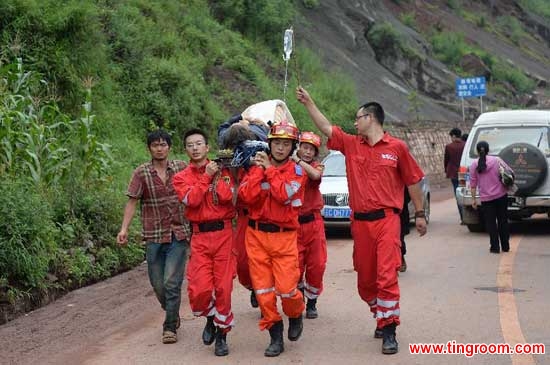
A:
(242, 258)
(273, 263)
(210, 274)
(312, 251)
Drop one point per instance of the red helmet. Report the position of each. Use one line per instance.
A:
(283, 130)
(310, 137)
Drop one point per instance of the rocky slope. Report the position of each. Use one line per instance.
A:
(337, 30)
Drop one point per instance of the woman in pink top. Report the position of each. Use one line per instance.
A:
(485, 177)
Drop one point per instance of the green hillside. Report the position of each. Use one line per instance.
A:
(81, 82)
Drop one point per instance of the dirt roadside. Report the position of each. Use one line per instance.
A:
(78, 319)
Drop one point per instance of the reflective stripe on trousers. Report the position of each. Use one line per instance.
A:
(210, 274)
(376, 258)
(273, 265)
(312, 251)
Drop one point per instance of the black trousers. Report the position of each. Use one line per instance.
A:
(496, 222)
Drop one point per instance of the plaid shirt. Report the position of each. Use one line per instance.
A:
(161, 213)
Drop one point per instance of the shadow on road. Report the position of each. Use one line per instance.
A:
(338, 233)
(537, 226)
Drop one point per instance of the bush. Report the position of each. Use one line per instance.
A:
(449, 47)
(384, 40)
(454, 4)
(409, 19)
(63, 43)
(504, 72)
(310, 4)
(130, 256)
(537, 7)
(27, 235)
(388, 43)
(481, 21)
(512, 27)
(258, 19)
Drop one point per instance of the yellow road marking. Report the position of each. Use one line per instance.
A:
(509, 322)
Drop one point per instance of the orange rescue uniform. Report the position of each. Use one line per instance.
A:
(211, 268)
(312, 243)
(243, 271)
(274, 197)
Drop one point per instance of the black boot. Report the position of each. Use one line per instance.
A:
(220, 348)
(389, 342)
(295, 327)
(253, 300)
(209, 332)
(276, 347)
(311, 309)
(378, 333)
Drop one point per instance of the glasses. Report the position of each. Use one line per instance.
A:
(361, 116)
(192, 145)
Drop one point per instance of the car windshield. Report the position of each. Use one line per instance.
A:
(500, 137)
(335, 165)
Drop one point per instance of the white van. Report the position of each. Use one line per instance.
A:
(521, 139)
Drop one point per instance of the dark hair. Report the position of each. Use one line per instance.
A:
(195, 131)
(236, 134)
(374, 108)
(482, 148)
(158, 135)
(464, 137)
(455, 132)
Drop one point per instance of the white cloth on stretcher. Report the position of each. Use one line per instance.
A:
(273, 111)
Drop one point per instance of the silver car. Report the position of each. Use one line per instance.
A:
(334, 188)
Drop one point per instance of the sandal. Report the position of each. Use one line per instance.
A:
(169, 337)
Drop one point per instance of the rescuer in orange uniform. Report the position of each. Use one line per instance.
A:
(312, 244)
(230, 135)
(273, 189)
(243, 272)
(378, 167)
(206, 190)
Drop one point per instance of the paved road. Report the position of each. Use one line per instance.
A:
(454, 290)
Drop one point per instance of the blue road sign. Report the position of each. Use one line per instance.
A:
(471, 87)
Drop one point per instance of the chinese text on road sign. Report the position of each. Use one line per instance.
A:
(471, 87)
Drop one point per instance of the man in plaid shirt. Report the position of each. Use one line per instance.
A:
(164, 228)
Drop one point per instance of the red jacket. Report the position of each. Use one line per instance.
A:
(313, 200)
(376, 174)
(194, 188)
(274, 195)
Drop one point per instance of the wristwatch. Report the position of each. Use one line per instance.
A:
(420, 214)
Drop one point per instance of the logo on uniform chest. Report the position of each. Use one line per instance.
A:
(388, 156)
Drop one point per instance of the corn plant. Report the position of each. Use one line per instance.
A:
(39, 141)
(92, 154)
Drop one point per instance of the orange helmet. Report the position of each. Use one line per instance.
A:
(310, 137)
(283, 130)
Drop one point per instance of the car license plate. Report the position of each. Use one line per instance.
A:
(336, 212)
